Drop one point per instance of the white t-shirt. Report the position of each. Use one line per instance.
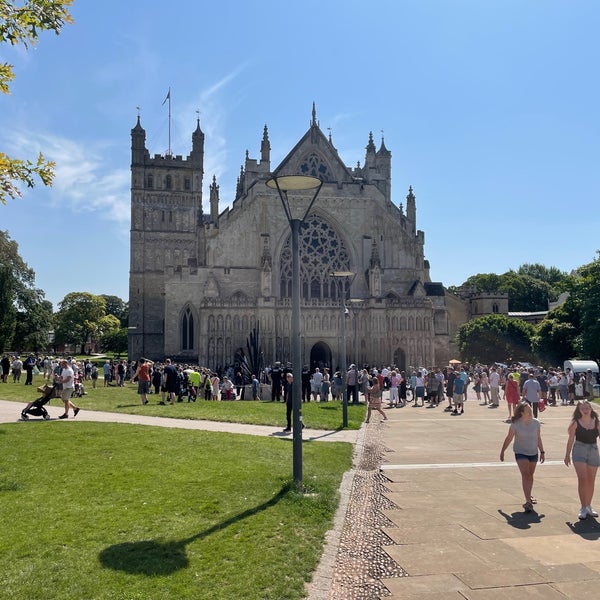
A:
(494, 379)
(67, 373)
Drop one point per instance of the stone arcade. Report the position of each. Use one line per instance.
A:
(200, 283)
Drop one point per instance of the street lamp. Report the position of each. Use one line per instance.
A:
(284, 184)
(343, 277)
(355, 304)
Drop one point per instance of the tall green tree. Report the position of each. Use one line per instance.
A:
(18, 295)
(79, 318)
(555, 340)
(21, 24)
(525, 292)
(553, 276)
(34, 321)
(117, 307)
(586, 297)
(495, 338)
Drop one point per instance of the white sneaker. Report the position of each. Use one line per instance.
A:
(591, 511)
(583, 513)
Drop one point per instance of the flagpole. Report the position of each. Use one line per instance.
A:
(169, 99)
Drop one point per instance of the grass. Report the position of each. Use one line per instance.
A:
(317, 415)
(124, 512)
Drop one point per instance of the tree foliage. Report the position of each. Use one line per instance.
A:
(79, 317)
(117, 307)
(21, 25)
(529, 289)
(34, 321)
(115, 340)
(25, 317)
(494, 338)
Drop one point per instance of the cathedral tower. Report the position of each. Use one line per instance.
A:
(167, 233)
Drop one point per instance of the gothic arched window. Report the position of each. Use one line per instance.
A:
(187, 330)
(322, 252)
(315, 166)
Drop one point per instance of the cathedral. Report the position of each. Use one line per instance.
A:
(200, 284)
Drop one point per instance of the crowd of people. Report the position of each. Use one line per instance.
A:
(526, 390)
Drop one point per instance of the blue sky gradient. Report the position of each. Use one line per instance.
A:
(490, 110)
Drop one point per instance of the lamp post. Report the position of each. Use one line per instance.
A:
(355, 304)
(284, 184)
(343, 277)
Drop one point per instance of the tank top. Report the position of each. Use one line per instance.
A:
(586, 436)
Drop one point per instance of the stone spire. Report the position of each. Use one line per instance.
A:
(265, 147)
(240, 183)
(197, 155)
(138, 143)
(214, 200)
(411, 209)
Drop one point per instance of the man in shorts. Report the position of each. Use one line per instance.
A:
(143, 376)
(67, 379)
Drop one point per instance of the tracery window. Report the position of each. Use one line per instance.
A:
(322, 252)
(187, 330)
(315, 166)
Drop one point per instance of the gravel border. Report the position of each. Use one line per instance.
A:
(354, 560)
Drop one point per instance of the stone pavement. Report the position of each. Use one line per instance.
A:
(442, 518)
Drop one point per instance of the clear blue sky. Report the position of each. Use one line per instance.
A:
(489, 107)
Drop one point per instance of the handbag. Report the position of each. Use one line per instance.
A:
(542, 405)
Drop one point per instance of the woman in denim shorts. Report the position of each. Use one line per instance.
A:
(582, 450)
(526, 431)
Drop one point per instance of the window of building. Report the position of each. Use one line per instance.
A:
(495, 308)
(187, 185)
(187, 330)
(315, 166)
(150, 181)
(168, 182)
(322, 252)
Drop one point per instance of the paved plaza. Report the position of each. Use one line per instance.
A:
(429, 512)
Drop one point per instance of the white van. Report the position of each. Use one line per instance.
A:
(583, 366)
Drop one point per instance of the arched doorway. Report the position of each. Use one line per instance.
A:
(320, 356)
(400, 359)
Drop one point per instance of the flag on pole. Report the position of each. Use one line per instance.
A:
(168, 97)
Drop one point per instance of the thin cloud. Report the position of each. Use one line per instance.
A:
(81, 178)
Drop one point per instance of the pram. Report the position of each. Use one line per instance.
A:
(36, 408)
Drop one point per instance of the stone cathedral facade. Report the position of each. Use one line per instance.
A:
(201, 283)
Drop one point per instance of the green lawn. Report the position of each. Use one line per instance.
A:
(326, 415)
(124, 512)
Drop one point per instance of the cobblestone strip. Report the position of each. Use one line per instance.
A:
(354, 561)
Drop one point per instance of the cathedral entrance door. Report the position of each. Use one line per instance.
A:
(320, 356)
(400, 359)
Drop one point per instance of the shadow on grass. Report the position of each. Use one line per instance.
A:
(150, 557)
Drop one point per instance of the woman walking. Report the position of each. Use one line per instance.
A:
(582, 450)
(526, 432)
(485, 388)
(374, 399)
(511, 394)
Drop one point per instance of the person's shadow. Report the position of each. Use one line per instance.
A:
(588, 529)
(521, 519)
(151, 557)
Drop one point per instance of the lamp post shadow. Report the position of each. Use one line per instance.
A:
(154, 557)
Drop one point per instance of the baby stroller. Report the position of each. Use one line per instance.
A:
(36, 408)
